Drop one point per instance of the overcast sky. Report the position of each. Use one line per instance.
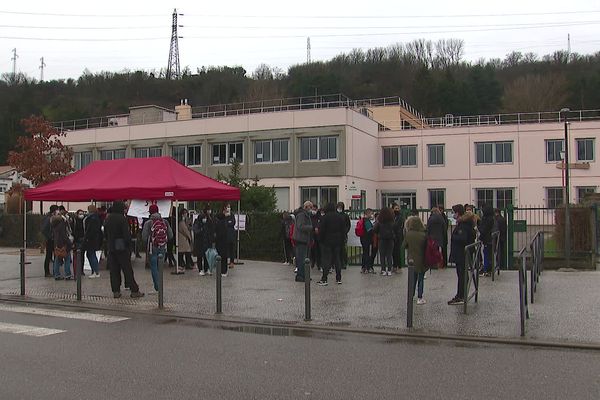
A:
(114, 35)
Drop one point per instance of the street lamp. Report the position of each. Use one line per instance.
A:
(565, 111)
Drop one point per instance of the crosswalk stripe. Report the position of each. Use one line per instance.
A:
(28, 330)
(108, 319)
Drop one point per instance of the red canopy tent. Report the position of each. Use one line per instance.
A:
(134, 178)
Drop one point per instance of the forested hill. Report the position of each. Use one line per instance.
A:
(432, 77)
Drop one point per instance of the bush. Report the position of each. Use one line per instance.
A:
(12, 230)
(262, 238)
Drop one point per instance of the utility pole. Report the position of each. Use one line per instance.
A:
(42, 65)
(308, 59)
(173, 70)
(14, 60)
(567, 196)
(569, 45)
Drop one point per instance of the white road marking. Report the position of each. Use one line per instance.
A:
(28, 330)
(108, 319)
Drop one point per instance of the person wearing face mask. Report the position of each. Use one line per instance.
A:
(366, 241)
(315, 243)
(204, 238)
(303, 232)
(92, 227)
(347, 225)
(184, 242)
(231, 233)
(398, 238)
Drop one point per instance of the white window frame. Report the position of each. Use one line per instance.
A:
(494, 145)
(112, 153)
(494, 200)
(318, 140)
(431, 147)
(562, 196)
(287, 153)
(562, 148)
(228, 153)
(431, 191)
(398, 150)
(79, 162)
(148, 151)
(320, 190)
(587, 159)
(186, 154)
(585, 189)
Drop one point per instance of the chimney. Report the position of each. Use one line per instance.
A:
(183, 110)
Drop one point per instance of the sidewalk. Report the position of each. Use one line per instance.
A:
(565, 309)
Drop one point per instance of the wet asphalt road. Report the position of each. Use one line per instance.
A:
(147, 357)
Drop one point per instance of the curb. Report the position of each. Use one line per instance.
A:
(302, 326)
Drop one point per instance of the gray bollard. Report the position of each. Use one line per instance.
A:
(218, 281)
(78, 267)
(409, 296)
(307, 316)
(160, 260)
(22, 273)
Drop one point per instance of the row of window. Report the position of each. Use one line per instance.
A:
(265, 151)
(485, 153)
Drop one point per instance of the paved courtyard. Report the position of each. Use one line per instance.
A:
(566, 306)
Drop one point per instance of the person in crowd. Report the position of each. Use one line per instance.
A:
(222, 241)
(156, 234)
(170, 255)
(414, 213)
(118, 240)
(315, 244)
(184, 242)
(398, 238)
(445, 236)
(134, 230)
(286, 226)
(204, 238)
(486, 227)
(364, 229)
(332, 233)
(384, 229)
(63, 244)
(415, 241)
(46, 229)
(340, 208)
(102, 213)
(374, 242)
(92, 239)
(462, 235)
(437, 228)
(500, 226)
(231, 234)
(78, 236)
(302, 236)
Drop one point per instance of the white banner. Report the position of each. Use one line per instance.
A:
(353, 240)
(139, 208)
(241, 220)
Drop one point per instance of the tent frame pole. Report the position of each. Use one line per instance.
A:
(176, 234)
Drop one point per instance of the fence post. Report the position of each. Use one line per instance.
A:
(218, 282)
(307, 305)
(521, 301)
(160, 261)
(409, 296)
(78, 267)
(510, 216)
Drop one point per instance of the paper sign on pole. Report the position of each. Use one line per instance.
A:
(353, 240)
(139, 208)
(241, 219)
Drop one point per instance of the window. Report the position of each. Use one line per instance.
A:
(319, 195)
(112, 154)
(280, 150)
(359, 204)
(437, 197)
(404, 156)
(145, 152)
(497, 198)
(554, 197)
(493, 152)
(553, 149)
(318, 148)
(262, 151)
(403, 199)
(582, 191)
(224, 153)
(82, 159)
(436, 154)
(585, 149)
(187, 155)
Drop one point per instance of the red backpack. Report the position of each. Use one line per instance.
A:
(158, 233)
(360, 228)
(433, 256)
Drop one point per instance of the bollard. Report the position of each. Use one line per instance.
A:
(160, 260)
(493, 261)
(78, 267)
(22, 264)
(218, 281)
(307, 316)
(466, 268)
(409, 296)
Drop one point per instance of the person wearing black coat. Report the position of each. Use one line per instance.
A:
(347, 225)
(204, 238)
(462, 236)
(92, 241)
(486, 227)
(398, 237)
(222, 241)
(287, 221)
(231, 234)
(78, 236)
(332, 233)
(384, 229)
(500, 226)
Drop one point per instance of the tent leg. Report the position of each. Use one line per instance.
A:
(24, 251)
(238, 232)
(176, 234)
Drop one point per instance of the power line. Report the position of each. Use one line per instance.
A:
(80, 27)
(80, 15)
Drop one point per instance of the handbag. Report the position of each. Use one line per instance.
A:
(211, 256)
(60, 252)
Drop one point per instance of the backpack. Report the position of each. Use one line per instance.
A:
(360, 228)
(433, 256)
(158, 233)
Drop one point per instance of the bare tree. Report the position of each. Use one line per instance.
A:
(546, 92)
(422, 51)
(448, 52)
